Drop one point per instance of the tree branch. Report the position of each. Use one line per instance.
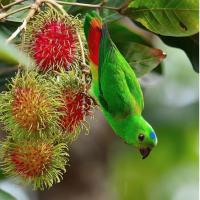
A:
(79, 4)
(100, 5)
(34, 8)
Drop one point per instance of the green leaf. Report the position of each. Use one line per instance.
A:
(110, 15)
(143, 59)
(6, 196)
(170, 18)
(135, 47)
(189, 44)
(5, 2)
(11, 55)
(7, 28)
(5, 78)
(19, 16)
(119, 30)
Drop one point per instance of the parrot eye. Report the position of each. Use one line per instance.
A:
(141, 137)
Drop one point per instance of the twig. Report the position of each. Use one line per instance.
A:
(4, 15)
(11, 4)
(34, 8)
(111, 8)
(100, 5)
(83, 65)
(81, 47)
(19, 29)
(79, 4)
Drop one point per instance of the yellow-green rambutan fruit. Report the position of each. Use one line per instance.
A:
(37, 162)
(30, 105)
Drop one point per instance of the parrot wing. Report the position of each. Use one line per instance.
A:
(119, 91)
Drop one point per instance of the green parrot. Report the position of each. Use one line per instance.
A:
(116, 88)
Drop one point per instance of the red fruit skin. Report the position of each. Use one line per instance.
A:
(76, 107)
(31, 160)
(55, 46)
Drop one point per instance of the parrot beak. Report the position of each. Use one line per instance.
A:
(145, 152)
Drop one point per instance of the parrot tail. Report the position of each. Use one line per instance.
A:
(93, 31)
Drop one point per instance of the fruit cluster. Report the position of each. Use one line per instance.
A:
(44, 109)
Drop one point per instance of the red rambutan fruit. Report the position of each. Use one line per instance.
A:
(76, 106)
(52, 40)
(35, 161)
(54, 45)
(31, 160)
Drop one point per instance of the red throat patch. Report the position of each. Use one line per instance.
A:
(94, 38)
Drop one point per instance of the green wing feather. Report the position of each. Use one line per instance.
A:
(119, 91)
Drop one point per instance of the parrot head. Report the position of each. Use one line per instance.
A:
(145, 137)
(138, 132)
